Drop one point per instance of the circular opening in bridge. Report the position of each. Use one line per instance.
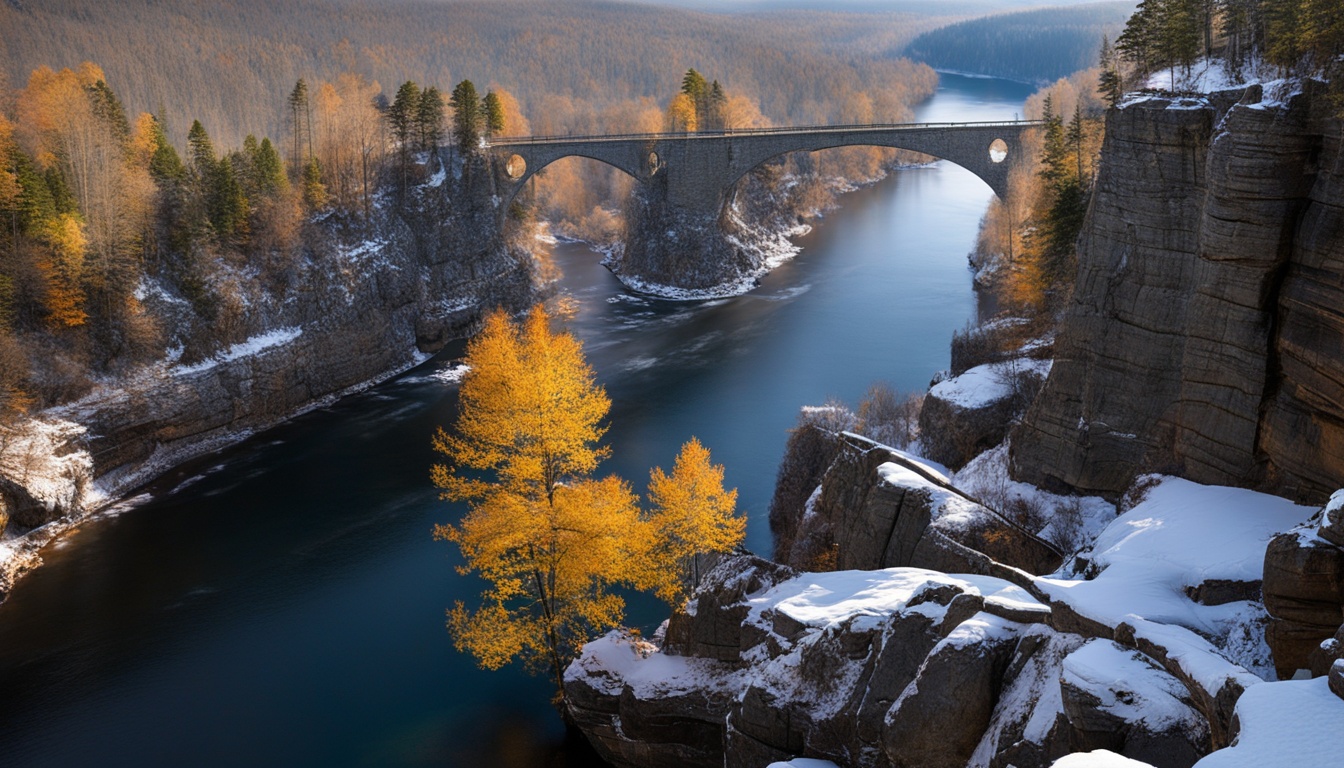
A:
(998, 151)
(516, 167)
(653, 162)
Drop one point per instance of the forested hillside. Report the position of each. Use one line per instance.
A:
(1035, 46)
(574, 66)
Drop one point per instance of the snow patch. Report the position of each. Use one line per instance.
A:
(985, 385)
(1297, 723)
(824, 600)
(1097, 758)
(252, 346)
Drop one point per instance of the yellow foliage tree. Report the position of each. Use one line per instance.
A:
(548, 539)
(692, 515)
(64, 271)
(681, 114)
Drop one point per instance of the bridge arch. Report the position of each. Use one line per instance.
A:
(634, 161)
(987, 154)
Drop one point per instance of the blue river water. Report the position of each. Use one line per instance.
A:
(282, 602)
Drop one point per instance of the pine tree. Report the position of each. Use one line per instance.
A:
(696, 88)
(268, 170)
(1137, 43)
(404, 114)
(1075, 136)
(201, 149)
(164, 164)
(107, 108)
(1110, 85)
(228, 202)
(429, 118)
(468, 116)
(717, 110)
(315, 196)
(301, 123)
(494, 114)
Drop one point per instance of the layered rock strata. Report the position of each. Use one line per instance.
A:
(1210, 287)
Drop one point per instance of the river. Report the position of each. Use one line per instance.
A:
(282, 602)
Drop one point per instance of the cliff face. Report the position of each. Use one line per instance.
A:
(1210, 296)
(364, 311)
(367, 302)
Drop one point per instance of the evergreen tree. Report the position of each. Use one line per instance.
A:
(268, 170)
(404, 114)
(301, 123)
(201, 149)
(429, 118)
(1137, 42)
(494, 114)
(1075, 137)
(717, 110)
(315, 196)
(228, 202)
(164, 164)
(107, 108)
(468, 116)
(1110, 84)
(696, 88)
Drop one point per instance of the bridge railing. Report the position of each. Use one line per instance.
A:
(506, 141)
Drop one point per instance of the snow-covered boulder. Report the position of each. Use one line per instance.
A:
(966, 415)
(1296, 723)
(1304, 591)
(1116, 698)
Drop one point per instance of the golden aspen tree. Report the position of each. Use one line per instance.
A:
(63, 271)
(681, 114)
(549, 540)
(692, 515)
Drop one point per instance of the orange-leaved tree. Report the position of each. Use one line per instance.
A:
(549, 540)
(692, 515)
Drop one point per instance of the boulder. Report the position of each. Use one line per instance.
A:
(1304, 595)
(1118, 699)
(941, 716)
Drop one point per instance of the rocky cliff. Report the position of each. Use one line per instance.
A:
(1209, 298)
(369, 301)
(899, 667)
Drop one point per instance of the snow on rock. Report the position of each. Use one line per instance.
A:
(1297, 723)
(824, 600)
(947, 507)
(620, 660)
(986, 384)
(1181, 535)
(252, 346)
(804, 762)
(1097, 758)
(41, 456)
(1073, 521)
(1130, 687)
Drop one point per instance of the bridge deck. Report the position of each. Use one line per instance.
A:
(810, 130)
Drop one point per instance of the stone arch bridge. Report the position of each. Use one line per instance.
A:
(687, 178)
